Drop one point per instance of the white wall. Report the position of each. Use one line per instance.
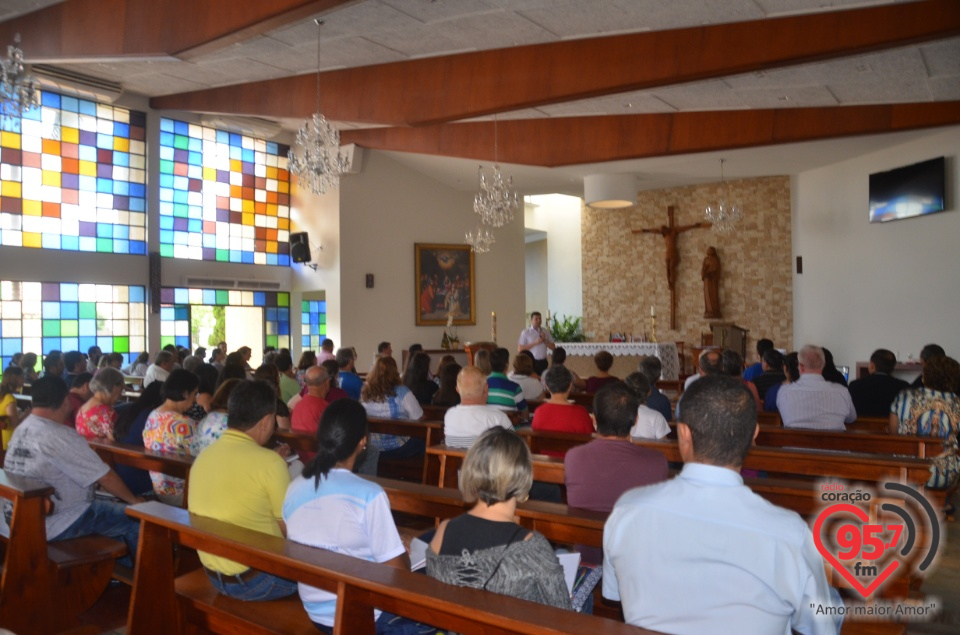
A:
(319, 216)
(384, 211)
(559, 216)
(537, 275)
(866, 286)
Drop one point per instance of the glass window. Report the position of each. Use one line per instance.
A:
(223, 196)
(73, 177)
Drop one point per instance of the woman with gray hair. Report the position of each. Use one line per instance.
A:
(96, 418)
(485, 548)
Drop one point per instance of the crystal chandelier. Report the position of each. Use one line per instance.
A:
(315, 157)
(723, 215)
(496, 203)
(480, 239)
(19, 92)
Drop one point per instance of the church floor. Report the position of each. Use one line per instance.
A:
(109, 614)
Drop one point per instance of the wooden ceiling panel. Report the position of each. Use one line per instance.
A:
(455, 87)
(88, 30)
(565, 141)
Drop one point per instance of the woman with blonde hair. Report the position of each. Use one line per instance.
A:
(97, 418)
(384, 396)
(485, 548)
(481, 359)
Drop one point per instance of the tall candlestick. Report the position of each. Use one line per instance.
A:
(493, 326)
(653, 311)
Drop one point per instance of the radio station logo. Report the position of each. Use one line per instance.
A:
(872, 538)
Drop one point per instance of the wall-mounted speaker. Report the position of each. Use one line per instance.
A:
(300, 247)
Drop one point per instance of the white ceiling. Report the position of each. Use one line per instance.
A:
(377, 31)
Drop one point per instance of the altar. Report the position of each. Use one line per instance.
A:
(626, 357)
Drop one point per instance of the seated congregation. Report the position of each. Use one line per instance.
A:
(667, 557)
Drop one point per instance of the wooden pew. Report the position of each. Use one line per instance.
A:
(113, 453)
(410, 469)
(45, 586)
(162, 604)
(863, 424)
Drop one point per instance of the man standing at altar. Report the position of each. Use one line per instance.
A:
(537, 340)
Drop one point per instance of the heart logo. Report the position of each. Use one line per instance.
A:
(865, 591)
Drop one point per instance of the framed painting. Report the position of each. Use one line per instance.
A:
(446, 284)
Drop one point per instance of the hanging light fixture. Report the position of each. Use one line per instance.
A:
(724, 215)
(480, 239)
(19, 91)
(315, 157)
(496, 202)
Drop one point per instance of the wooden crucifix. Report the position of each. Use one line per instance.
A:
(670, 234)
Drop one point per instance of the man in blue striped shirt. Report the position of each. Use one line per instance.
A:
(503, 393)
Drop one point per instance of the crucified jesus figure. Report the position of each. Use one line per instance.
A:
(670, 232)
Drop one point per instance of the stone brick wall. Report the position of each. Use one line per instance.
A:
(624, 274)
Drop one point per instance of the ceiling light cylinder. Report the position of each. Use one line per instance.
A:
(610, 191)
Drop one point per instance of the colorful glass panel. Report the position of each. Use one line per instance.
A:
(38, 317)
(313, 323)
(223, 196)
(73, 177)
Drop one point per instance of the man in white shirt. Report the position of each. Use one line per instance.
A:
(160, 369)
(536, 340)
(702, 553)
(464, 423)
(813, 402)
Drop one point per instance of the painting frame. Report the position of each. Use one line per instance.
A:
(444, 266)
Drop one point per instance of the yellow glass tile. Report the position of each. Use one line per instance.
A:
(10, 140)
(236, 165)
(271, 247)
(283, 223)
(271, 173)
(121, 145)
(271, 209)
(10, 189)
(247, 219)
(32, 208)
(51, 178)
(283, 187)
(31, 240)
(247, 207)
(88, 168)
(209, 174)
(70, 135)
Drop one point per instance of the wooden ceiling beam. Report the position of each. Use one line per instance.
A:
(557, 142)
(94, 30)
(449, 88)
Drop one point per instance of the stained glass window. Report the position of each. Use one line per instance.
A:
(223, 196)
(39, 317)
(313, 323)
(175, 312)
(72, 176)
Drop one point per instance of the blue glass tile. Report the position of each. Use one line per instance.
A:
(166, 125)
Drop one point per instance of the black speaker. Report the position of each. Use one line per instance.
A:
(300, 247)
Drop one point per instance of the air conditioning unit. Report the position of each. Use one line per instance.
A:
(250, 126)
(228, 284)
(75, 84)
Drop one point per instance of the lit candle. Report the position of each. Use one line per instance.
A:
(493, 326)
(653, 311)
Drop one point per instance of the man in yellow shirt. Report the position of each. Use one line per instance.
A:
(238, 481)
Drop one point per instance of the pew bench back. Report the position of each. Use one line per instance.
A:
(359, 585)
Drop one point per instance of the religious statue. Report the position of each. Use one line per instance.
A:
(670, 233)
(710, 274)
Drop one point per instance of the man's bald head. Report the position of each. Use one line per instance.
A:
(317, 381)
(811, 359)
(472, 386)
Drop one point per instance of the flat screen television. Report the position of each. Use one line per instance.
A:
(913, 190)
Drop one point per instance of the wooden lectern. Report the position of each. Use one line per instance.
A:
(729, 335)
(471, 349)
